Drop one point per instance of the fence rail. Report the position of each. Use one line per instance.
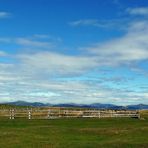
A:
(51, 113)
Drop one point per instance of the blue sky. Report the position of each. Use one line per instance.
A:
(74, 51)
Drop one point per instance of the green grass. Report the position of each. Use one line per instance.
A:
(74, 133)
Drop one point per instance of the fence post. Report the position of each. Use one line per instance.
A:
(59, 113)
(48, 116)
(12, 114)
(29, 115)
(139, 115)
(99, 114)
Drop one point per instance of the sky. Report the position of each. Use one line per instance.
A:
(74, 51)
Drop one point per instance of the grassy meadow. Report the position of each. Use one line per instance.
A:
(75, 133)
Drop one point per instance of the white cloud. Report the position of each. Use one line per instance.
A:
(57, 63)
(33, 43)
(26, 86)
(41, 36)
(138, 11)
(4, 15)
(2, 53)
(133, 47)
(35, 76)
(5, 40)
(114, 23)
(37, 41)
(84, 22)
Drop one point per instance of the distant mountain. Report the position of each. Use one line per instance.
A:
(138, 107)
(94, 105)
(105, 106)
(24, 103)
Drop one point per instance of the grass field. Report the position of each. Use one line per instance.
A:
(74, 133)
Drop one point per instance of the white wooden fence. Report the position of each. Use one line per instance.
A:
(51, 113)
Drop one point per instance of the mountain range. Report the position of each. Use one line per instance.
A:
(94, 105)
